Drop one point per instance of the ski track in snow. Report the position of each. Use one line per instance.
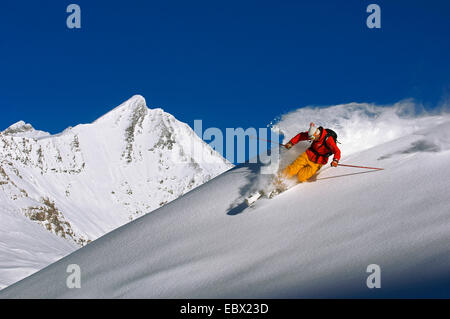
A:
(314, 240)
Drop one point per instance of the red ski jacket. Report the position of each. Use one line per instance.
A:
(318, 152)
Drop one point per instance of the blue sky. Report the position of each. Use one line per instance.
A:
(229, 63)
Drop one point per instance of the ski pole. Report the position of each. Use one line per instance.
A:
(360, 166)
(251, 136)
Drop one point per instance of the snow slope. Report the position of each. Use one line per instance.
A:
(314, 240)
(58, 192)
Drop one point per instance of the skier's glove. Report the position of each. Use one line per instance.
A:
(334, 163)
(288, 145)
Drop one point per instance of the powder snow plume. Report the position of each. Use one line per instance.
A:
(361, 126)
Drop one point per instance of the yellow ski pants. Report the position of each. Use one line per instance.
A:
(302, 167)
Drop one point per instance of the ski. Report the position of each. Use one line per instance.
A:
(250, 200)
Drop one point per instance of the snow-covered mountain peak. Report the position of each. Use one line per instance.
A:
(22, 129)
(93, 178)
(20, 126)
(134, 107)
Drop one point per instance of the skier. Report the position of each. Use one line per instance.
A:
(309, 162)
